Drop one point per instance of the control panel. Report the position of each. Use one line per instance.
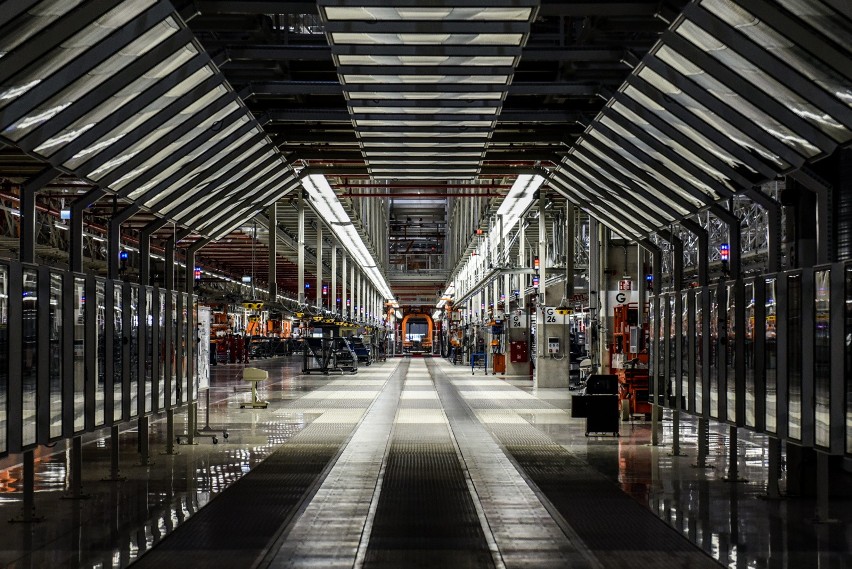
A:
(553, 346)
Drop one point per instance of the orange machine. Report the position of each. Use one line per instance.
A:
(426, 342)
(627, 359)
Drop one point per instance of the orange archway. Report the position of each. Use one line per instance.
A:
(427, 338)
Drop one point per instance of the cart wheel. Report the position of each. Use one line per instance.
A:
(215, 441)
(177, 440)
(225, 434)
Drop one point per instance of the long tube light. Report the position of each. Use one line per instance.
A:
(326, 204)
(518, 200)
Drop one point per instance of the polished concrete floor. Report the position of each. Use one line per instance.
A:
(413, 463)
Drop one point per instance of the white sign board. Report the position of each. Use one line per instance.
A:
(551, 317)
(203, 339)
(518, 320)
(621, 297)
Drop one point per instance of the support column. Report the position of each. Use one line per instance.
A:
(343, 295)
(703, 279)
(28, 210)
(28, 510)
(319, 264)
(350, 310)
(332, 290)
(114, 471)
(273, 251)
(654, 356)
(301, 248)
(677, 388)
(773, 265)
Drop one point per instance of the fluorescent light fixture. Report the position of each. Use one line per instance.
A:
(65, 214)
(518, 200)
(330, 209)
(246, 279)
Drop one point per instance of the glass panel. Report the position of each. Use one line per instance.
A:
(173, 341)
(29, 354)
(133, 333)
(177, 165)
(149, 351)
(684, 354)
(794, 356)
(117, 101)
(79, 353)
(674, 337)
(72, 48)
(750, 401)
(713, 361)
(92, 79)
(699, 351)
(740, 65)
(783, 48)
(33, 21)
(178, 148)
(4, 356)
(663, 159)
(137, 119)
(731, 353)
(425, 39)
(821, 17)
(184, 345)
(161, 353)
(711, 118)
(848, 360)
(822, 357)
(681, 150)
(652, 340)
(117, 350)
(55, 355)
(732, 98)
(661, 347)
(100, 352)
(152, 136)
(770, 356)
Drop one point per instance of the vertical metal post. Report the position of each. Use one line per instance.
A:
(75, 471)
(656, 270)
(332, 290)
(703, 279)
(343, 293)
(319, 263)
(27, 209)
(144, 442)
(522, 245)
(570, 240)
(350, 310)
(301, 248)
(273, 251)
(677, 278)
(114, 472)
(170, 430)
(28, 510)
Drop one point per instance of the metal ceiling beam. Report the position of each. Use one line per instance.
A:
(40, 45)
(77, 68)
(750, 92)
(738, 178)
(723, 109)
(180, 131)
(426, 27)
(106, 90)
(698, 124)
(126, 112)
(143, 130)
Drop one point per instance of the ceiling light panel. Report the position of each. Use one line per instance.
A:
(413, 71)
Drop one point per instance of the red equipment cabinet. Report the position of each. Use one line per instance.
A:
(518, 352)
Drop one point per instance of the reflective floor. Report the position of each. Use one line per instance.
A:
(414, 463)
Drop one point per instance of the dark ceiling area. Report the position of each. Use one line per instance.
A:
(276, 55)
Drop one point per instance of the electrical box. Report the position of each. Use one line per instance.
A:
(518, 352)
(553, 346)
